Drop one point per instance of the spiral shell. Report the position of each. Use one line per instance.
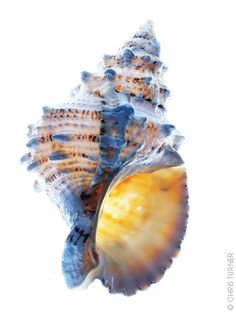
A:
(109, 161)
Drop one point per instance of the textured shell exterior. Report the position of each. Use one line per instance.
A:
(83, 151)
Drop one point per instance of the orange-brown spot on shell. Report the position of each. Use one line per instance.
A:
(97, 93)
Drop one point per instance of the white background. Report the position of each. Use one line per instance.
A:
(44, 47)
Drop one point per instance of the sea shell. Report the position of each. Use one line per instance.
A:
(109, 160)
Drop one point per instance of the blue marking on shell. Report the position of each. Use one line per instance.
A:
(165, 92)
(85, 76)
(147, 80)
(166, 129)
(57, 156)
(46, 109)
(159, 64)
(32, 143)
(147, 58)
(156, 46)
(24, 158)
(110, 145)
(110, 74)
(61, 137)
(155, 101)
(127, 56)
(33, 166)
(72, 262)
(74, 253)
(115, 142)
(139, 98)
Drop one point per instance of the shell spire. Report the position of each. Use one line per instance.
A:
(144, 40)
(109, 160)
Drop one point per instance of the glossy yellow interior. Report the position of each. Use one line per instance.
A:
(140, 216)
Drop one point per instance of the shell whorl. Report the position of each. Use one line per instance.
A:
(113, 136)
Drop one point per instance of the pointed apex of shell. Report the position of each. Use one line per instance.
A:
(146, 28)
(144, 41)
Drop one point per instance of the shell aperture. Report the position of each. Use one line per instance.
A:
(108, 159)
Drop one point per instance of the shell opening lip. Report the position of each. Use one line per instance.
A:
(167, 193)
